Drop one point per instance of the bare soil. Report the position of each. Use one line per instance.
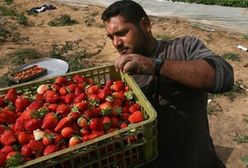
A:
(228, 114)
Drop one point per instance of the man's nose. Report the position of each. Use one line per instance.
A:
(117, 42)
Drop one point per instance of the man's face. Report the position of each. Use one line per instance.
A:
(126, 37)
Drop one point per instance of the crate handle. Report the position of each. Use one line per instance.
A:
(139, 143)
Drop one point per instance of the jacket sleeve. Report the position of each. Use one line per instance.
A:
(224, 78)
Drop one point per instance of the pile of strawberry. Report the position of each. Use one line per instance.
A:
(60, 115)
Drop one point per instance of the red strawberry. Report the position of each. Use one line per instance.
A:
(119, 95)
(99, 133)
(58, 139)
(2, 128)
(117, 86)
(64, 122)
(91, 113)
(81, 106)
(74, 140)
(7, 116)
(96, 124)
(51, 96)
(108, 83)
(67, 132)
(116, 111)
(115, 122)
(48, 139)
(134, 107)
(103, 93)
(63, 90)
(74, 115)
(63, 110)
(39, 98)
(11, 95)
(8, 137)
(125, 116)
(33, 124)
(93, 100)
(26, 151)
(106, 122)
(106, 108)
(123, 125)
(92, 89)
(80, 97)
(53, 107)
(69, 98)
(78, 90)
(35, 105)
(2, 158)
(21, 103)
(19, 124)
(84, 132)
(50, 121)
(35, 145)
(83, 122)
(2, 102)
(78, 78)
(55, 87)
(71, 87)
(61, 80)
(24, 137)
(50, 149)
(7, 149)
(14, 159)
(136, 117)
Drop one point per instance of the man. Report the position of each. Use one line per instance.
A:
(175, 76)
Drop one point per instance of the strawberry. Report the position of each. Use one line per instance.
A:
(69, 98)
(91, 113)
(63, 90)
(13, 159)
(42, 89)
(106, 108)
(33, 124)
(81, 106)
(2, 128)
(24, 137)
(93, 100)
(80, 97)
(50, 121)
(125, 116)
(83, 122)
(74, 140)
(123, 125)
(58, 139)
(7, 116)
(2, 158)
(63, 109)
(92, 89)
(71, 88)
(7, 149)
(19, 124)
(47, 139)
(2, 102)
(64, 122)
(115, 122)
(35, 145)
(51, 96)
(74, 115)
(136, 117)
(116, 111)
(39, 98)
(78, 79)
(8, 137)
(55, 87)
(108, 83)
(117, 86)
(50, 149)
(99, 133)
(78, 90)
(119, 95)
(96, 124)
(67, 132)
(103, 93)
(84, 132)
(35, 105)
(106, 122)
(52, 107)
(11, 95)
(134, 107)
(61, 80)
(26, 151)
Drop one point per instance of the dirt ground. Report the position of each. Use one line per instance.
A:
(228, 114)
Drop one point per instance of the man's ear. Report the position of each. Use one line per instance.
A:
(145, 24)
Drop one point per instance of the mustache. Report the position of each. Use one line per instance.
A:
(122, 48)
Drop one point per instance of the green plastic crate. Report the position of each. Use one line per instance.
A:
(112, 150)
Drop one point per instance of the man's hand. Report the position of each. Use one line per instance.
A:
(135, 64)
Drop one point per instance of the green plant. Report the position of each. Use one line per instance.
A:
(22, 56)
(75, 61)
(22, 19)
(245, 37)
(63, 20)
(242, 139)
(5, 11)
(244, 160)
(4, 81)
(163, 37)
(231, 56)
(8, 2)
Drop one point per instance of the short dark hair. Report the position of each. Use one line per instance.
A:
(128, 9)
